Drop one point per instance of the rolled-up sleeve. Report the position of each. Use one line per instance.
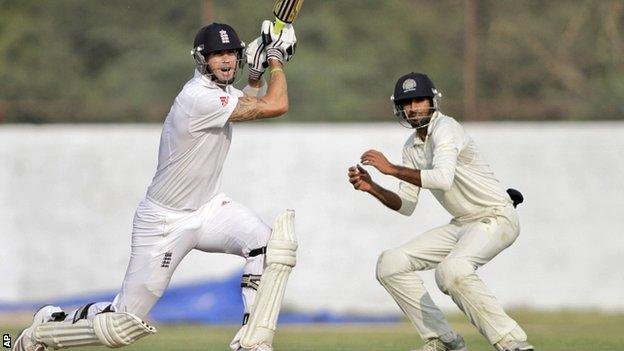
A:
(408, 192)
(446, 142)
(211, 111)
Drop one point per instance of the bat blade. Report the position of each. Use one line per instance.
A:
(285, 12)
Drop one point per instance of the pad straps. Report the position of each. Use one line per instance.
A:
(258, 251)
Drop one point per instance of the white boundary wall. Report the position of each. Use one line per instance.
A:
(67, 197)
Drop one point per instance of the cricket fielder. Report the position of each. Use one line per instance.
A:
(185, 210)
(441, 157)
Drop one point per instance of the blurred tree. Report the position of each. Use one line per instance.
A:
(547, 61)
(121, 61)
(470, 61)
(89, 61)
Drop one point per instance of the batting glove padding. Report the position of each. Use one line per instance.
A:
(279, 46)
(256, 58)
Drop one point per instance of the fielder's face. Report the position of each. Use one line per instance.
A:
(222, 64)
(418, 111)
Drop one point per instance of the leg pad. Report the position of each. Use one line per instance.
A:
(113, 329)
(281, 257)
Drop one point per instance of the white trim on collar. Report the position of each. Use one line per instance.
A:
(205, 80)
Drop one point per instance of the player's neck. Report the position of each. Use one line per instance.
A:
(422, 133)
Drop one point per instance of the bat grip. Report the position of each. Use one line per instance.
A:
(278, 26)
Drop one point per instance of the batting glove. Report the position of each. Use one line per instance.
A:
(279, 46)
(256, 58)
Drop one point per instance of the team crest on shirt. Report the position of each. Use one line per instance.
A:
(224, 100)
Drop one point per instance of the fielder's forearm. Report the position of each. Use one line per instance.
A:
(409, 175)
(387, 197)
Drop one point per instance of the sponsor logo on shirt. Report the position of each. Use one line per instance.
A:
(224, 100)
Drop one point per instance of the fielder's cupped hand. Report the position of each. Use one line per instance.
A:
(280, 46)
(378, 160)
(359, 178)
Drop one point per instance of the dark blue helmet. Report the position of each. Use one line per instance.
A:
(216, 37)
(410, 86)
(413, 85)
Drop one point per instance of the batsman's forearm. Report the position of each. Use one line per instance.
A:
(409, 175)
(277, 93)
(387, 197)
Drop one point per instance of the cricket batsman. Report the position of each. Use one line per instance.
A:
(442, 157)
(184, 208)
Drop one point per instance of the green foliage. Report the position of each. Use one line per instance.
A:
(116, 61)
(67, 61)
(556, 62)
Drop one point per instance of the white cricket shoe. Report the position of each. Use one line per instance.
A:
(435, 344)
(518, 346)
(25, 341)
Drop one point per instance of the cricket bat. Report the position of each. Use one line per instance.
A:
(285, 12)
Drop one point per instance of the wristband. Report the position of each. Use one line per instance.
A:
(276, 69)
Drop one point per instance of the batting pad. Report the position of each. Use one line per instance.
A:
(112, 329)
(281, 257)
(120, 328)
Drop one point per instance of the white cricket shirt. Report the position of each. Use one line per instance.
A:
(193, 145)
(452, 169)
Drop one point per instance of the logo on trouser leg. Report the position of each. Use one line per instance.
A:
(166, 260)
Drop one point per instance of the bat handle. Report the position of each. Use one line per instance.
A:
(278, 26)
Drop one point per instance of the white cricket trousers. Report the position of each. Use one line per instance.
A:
(161, 238)
(455, 250)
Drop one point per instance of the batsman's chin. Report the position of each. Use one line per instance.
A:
(225, 73)
(225, 77)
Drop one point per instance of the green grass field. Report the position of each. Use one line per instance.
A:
(561, 331)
